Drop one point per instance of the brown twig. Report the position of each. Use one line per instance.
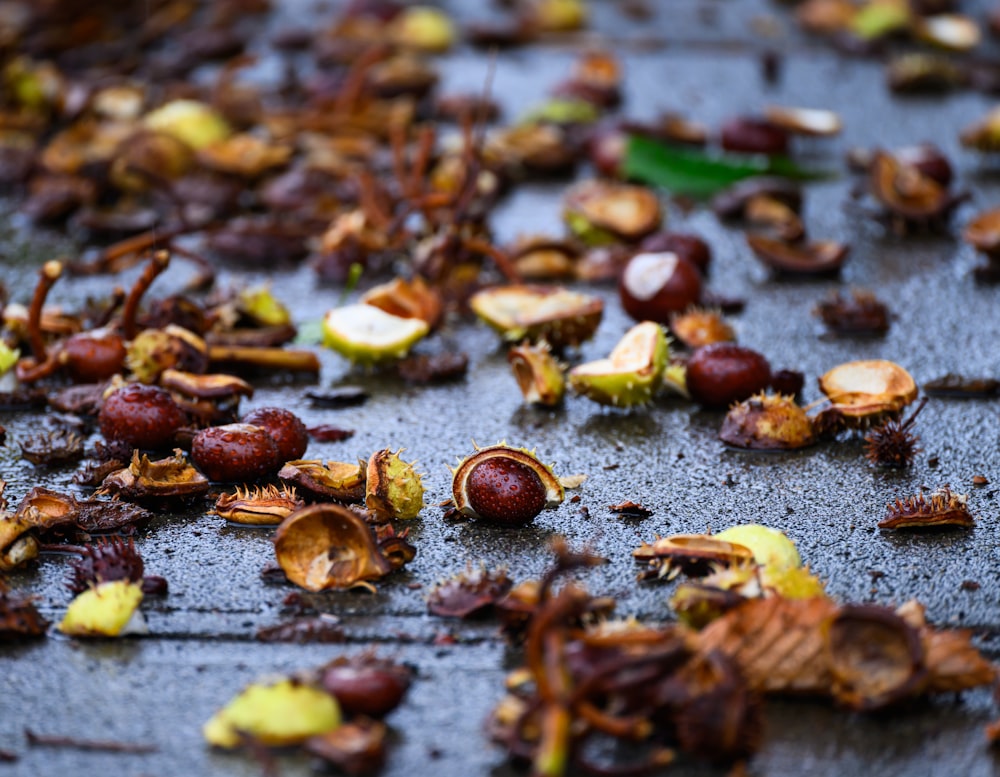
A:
(47, 277)
(104, 745)
(159, 263)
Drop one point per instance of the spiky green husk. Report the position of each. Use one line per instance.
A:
(538, 374)
(277, 715)
(367, 335)
(633, 372)
(393, 488)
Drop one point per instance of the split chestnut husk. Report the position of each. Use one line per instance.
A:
(505, 485)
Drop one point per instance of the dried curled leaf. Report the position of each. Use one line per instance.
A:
(469, 594)
(778, 643)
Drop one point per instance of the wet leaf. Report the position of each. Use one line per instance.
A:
(699, 173)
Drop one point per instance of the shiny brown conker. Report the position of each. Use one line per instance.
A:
(723, 373)
(141, 416)
(689, 246)
(654, 286)
(753, 136)
(285, 428)
(235, 453)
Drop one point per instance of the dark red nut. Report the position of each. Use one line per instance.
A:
(654, 286)
(723, 373)
(285, 428)
(787, 382)
(374, 689)
(141, 416)
(506, 491)
(753, 136)
(238, 453)
(606, 148)
(929, 160)
(92, 358)
(691, 247)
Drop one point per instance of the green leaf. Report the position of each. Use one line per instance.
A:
(699, 173)
(310, 333)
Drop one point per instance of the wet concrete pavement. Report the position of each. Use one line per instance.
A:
(201, 650)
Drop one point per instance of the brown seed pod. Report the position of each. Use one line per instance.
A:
(337, 481)
(19, 618)
(366, 685)
(267, 506)
(860, 314)
(767, 422)
(876, 658)
(327, 546)
(52, 449)
(941, 508)
(167, 478)
(893, 444)
(695, 555)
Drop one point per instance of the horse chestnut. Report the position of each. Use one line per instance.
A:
(285, 428)
(235, 453)
(141, 416)
(723, 373)
(505, 485)
(688, 246)
(654, 286)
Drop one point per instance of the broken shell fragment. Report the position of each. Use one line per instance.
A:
(767, 422)
(952, 32)
(983, 135)
(337, 481)
(171, 477)
(557, 315)
(695, 555)
(366, 334)
(327, 546)
(267, 506)
(876, 658)
(105, 610)
(284, 713)
(905, 191)
(864, 392)
(942, 507)
(538, 374)
(983, 232)
(817, 258)
(804, 121)
(601, 212)
(697, 327)
(631, 374)
(505, 485)
(407, 299)
(393, 488)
